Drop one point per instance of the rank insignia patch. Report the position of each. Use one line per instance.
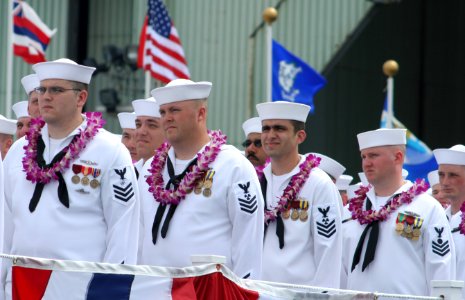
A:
(248, 203)
(327, 226)
(123, 191)
(440, 246)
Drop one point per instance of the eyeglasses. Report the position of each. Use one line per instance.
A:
(53, 90)
(256, 143)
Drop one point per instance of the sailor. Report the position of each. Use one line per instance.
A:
(30, 83)
(253, 144)
(435, 189)
(406, 238)
(149, 133)
(23, 118)
(127, 121)
(303, 207)
(70, 188)
(199, 195)
(452, 179)
(7, 131)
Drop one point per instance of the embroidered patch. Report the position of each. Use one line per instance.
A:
(440, 246)
(248, 203)
(124, 191)
(326, 227)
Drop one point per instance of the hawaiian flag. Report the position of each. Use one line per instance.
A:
(160, 49)
(30, 35)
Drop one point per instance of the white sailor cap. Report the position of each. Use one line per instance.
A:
(252, 125)
(382, 137)
(363, 178)
(182, 90)
(63, 68)
(342, 183)
(452, 156)
(351, 190)
(127, 120)
(30, 82)
(433, 177)
(146, 107)
(330, 166)
(20, 109)
(7, 126)
(283, 110)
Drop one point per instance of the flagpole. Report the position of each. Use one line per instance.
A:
(390, 68)
(147, 84)
(9, 62)
(270, 15)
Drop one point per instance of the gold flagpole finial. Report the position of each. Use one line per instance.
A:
(270, 15)
(390, 68)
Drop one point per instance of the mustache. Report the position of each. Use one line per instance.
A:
(252, 155)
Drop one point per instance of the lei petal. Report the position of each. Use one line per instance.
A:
(34, 173)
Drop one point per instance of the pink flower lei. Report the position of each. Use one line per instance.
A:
(462, 222)
(259, 169)
(293, 188)
(187, 184)
(34, 173)
(369, 216)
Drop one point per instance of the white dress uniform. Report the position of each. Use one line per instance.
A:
(459, 241)
(312, 249)
(402, 265)
(101, 223)
(228, 223)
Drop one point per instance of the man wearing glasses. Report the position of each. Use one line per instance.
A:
(253, 144)
(71, 188)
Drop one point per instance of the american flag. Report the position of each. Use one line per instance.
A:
(30, 35)
(160, 49)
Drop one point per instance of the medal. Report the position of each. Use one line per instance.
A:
(85, 171)
(76, 170)
(303, 216)
(198, 187)
(286, 214)
(399, 227)
(408, 229)
(416, 232)
(94, 183)
(295, 214)
(207, 192)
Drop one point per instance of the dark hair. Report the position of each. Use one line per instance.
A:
(298, 125)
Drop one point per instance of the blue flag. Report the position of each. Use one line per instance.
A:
(419, 159)
(293, 80)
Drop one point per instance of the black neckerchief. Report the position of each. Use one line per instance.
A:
(174, 180)
(62, 189)
(372, 240)
(279, 219)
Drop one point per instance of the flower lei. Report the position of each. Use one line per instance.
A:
(369, 216)
(293, 188)
(462, 223)
(259, 169)
(34, 173)
(187, 184)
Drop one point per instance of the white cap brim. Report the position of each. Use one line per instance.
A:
(283, 110)
(20, 109)
(452, 156)
(182, 90)
(146, 108)
(30, 83)
(382, 137)
(127, 120)
(252, 125)
(65, 69)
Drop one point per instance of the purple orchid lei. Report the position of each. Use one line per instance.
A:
(259, 169)
(34, 173)
(462, 223)
(293, 188)
(369, 216)
(187, 184)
